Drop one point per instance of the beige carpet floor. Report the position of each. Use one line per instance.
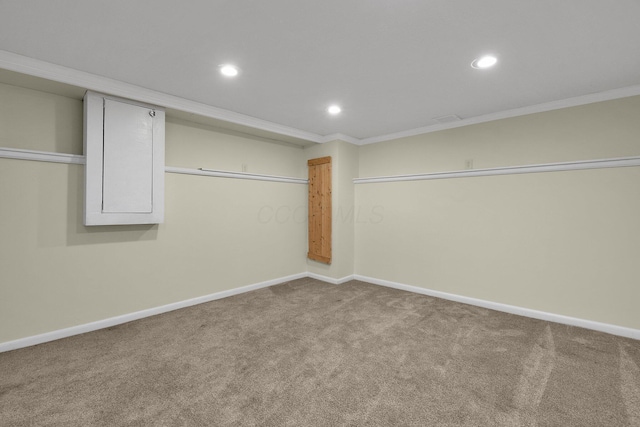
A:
(306, 353)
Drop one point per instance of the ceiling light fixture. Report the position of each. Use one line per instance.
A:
(229, 70)
(334, 109)
(486, 61)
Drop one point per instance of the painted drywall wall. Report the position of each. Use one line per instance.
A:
(559, 242)
(213, 148)
(218, 234)
(35, 120)
(600, 130)
(344, 158)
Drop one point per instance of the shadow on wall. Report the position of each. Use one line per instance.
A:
(68, 123)
(79, 234)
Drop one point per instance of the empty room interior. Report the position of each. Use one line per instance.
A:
(320, 213)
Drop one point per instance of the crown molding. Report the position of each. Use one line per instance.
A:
(538, 108)
(339, 137)
(57, 73)
(46, 70)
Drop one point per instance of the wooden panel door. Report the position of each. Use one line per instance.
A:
(320, 209)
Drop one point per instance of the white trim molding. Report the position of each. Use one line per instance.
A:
(236, 175)
(41, 156)
(509, 170)
(107, 323)
(339, 137)
(37, 68)
(506, 308)
(46, 70)
(607, 95)
(46, 156)
(331, 280)
(113, 321)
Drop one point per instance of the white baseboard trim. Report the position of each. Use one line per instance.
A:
(521, 311)
(106, 323)
(113, 321)
(330, 279)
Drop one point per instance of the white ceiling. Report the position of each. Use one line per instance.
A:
(393, 65)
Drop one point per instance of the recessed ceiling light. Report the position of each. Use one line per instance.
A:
(229, 70)
(486, 61)
(334, 109)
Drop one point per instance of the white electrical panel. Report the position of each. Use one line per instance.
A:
(124, 171)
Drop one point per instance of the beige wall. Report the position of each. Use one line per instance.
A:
(193, 145)
(218, 233)
(34, 120)
(561, 242)
(344, 164)
(601, 130)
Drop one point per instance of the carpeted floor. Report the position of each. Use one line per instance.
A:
(306, 353)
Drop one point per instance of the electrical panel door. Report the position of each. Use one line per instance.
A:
(124, 171)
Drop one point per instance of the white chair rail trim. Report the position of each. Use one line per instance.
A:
(45, 156)
(509, 170)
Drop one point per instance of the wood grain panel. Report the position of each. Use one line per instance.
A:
(320, 209)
